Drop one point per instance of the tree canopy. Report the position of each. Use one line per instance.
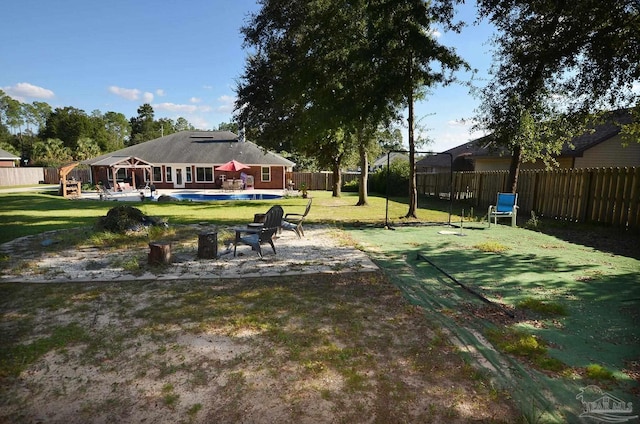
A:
(45, 137)
(556, 64)
(325, 74)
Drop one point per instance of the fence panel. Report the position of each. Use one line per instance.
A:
(602, 195)
(21, 176)
(36, 175)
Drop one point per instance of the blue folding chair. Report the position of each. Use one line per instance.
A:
(505, 207)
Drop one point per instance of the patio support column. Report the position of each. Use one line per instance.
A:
(114, 184)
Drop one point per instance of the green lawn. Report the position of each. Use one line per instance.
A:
(28, 213)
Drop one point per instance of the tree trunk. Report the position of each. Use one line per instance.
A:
(337, 180)
(364, 171)
(413, 191)
(514, 169)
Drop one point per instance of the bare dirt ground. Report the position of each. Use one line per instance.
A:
(327, 343)
(62, 261)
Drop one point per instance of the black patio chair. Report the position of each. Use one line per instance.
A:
(256, 236)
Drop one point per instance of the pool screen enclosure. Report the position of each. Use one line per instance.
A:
(450, 183)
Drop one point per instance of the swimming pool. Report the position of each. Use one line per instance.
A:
(200, 197)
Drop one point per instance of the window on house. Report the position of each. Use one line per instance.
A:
(265, 174)
(121, 174)
(187, 175)
(157, 173)
(204, 174)
(167, 174)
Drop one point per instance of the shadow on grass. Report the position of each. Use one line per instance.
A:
(605, 239)
(600, 292)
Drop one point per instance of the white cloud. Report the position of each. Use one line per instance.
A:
(125, 93)
(436, 34)
(160, 92)
(195, 100)
(226, 99)
(200, 123)
(172, 107)
(23, 90)
(226, 104)
(208, 87)
(147, 97)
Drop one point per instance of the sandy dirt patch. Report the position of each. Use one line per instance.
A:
(320, 251)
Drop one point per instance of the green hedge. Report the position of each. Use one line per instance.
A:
(398, 179)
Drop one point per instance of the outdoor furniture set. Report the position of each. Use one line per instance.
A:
(258, 233)
(232, 185)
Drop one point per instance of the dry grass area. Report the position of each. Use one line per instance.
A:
(341, 348)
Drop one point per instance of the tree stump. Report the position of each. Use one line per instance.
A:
(259, 217)
(208, 245)
(159, 253)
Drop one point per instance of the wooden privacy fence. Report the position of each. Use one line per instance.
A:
(608, 196)
(36, 175)
(318, 180)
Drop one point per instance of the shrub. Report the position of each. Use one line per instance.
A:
(352, 186)
(398, 179)
(533, 223)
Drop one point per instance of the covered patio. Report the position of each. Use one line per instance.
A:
(118, 171)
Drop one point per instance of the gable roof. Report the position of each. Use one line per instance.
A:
(382, 160)
(4, 155)
(600, 132)
(194, 147)
(443, 160)
(484, 147)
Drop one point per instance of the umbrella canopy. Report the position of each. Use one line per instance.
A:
(233, 165)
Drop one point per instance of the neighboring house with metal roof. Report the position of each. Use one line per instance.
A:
(188, 159)
(601, 147)
(8, 160)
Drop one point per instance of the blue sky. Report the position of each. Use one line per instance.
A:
(182, 57)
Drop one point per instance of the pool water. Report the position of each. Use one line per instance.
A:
(199, 197)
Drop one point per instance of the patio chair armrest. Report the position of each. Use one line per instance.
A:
(289, 215)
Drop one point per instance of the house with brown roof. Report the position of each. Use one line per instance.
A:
(601, 147)
(188, 160)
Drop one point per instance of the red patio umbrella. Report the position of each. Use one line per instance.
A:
(233, 166)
